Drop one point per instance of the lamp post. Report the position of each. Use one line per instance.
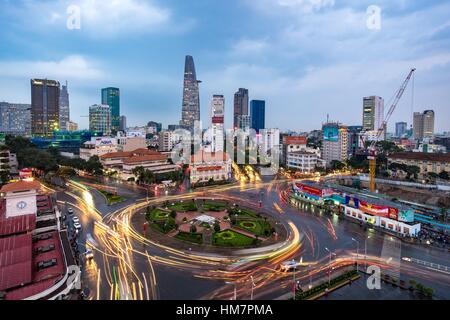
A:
(357, 253)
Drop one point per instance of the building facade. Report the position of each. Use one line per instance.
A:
(123, 123)
(205, 167)
(64, 108)
(423, 125)
(98, 146)
(100, 118)
(111, 97)
(427, 162)
(15, 118)
(258, 114)
(354, 140)
(334, 142)
(44, 107)
(303, 161)
(217, 123)
(191, 97)
(240, 107)
(373, 113)
(400, 129)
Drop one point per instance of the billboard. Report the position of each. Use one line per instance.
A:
(331, 133)
(301, 140)
(377, 210)
(406, 216)
(217, 120)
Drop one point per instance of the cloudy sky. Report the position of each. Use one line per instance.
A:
(306, 58)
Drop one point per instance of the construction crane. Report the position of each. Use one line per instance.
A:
(372, 148)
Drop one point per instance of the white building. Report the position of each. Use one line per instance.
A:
(207, 166)
(268, 140)
(303, 161)
(98, 146)
(100, 118)
(217, 123)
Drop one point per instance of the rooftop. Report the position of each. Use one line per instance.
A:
(421, 156)
(203, 156)
(21, 186)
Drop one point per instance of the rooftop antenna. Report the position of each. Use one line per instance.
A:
(328, 118)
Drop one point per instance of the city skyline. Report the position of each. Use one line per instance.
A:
(280, 65)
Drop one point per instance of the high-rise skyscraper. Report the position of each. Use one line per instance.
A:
(400, 129)
(111, 97)
(100, 118)
(64, 108)
(240, 106)
(191, 98)
(423, 125)
(258, 114)
(217, 123)
(44, 107)
(373, 113)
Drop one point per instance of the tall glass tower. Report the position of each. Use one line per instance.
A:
(191, 99)
(64, 108)
(111, 97)
(258, 114)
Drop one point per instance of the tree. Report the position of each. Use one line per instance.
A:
(94, 166)
(217, 226)
(444, 175)
(193, 229)
(337, 165)
(173, 214)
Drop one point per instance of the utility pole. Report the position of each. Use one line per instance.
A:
(357, 253)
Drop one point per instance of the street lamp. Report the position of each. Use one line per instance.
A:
(329, 272)
(357, 253)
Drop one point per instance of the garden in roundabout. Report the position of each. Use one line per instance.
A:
(210, 222)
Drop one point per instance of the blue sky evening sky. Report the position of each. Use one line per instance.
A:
(306, 58)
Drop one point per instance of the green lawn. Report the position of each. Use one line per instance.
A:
(183, 206)
(158, 215)
(229, 238)
(190, 237)
(111, 198)
(258, 227)
(210, 205)
(241, 212)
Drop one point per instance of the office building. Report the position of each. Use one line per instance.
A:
(217, 123)
(191, 98)
(64, 108)
(111, 97)
(373, 113)
(423, 125)
(240, 112)
(123, 123)
(258, 114)
(100, 118)
(401, 129)
(154, 127)
(15, 119)
(72, 126)
(244, 122)
(334, 142)
(354, 140)
(44, 107)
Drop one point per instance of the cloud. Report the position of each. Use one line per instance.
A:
(100, 18)
(291, 6)
(71, 67)
(246, 47)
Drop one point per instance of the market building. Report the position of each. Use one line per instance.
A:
(206, 166)
(36, 260)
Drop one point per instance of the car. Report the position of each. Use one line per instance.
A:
(70, 211)
(89, 254)
(76, 220)
(287, 266)
(77, 226)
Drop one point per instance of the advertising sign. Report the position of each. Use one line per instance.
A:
(331, 134)
(217, 120)
(406, 216)
(352, 202)
(376, 210)
(310, 190)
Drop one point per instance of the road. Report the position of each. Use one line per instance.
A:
(127, 265)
